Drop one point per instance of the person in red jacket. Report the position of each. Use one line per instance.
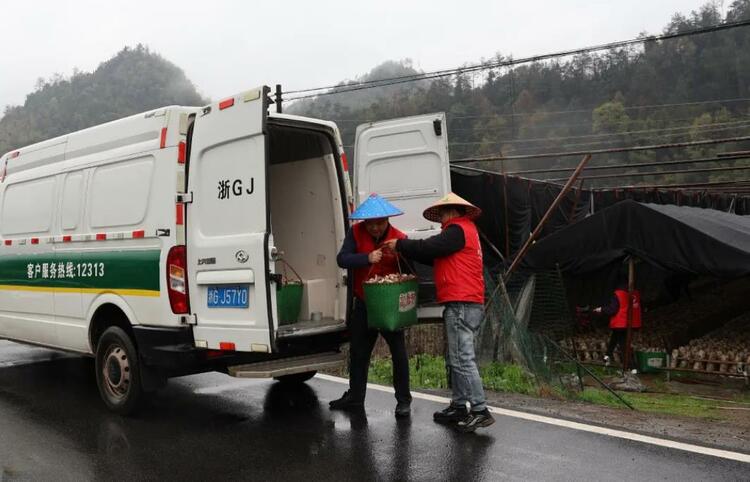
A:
(617, 310)
(365, 255)
(456, 256)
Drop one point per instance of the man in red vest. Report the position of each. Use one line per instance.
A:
(364, 254)
(617, 310)
(456, 256)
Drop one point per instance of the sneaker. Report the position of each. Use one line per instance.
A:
(452, 414)
(475, 420)
(606, 360)
(403, 409)
(346, 402)
(634, 371)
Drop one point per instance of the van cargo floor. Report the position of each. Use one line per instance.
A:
(306, 328)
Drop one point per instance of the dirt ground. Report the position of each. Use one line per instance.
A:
(732, 433)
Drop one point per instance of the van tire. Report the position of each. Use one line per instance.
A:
(296, 378)
(118, 372)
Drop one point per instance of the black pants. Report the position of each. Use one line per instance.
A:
(362, 342)
(617, 339)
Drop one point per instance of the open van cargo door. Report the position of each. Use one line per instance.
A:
(228, 236)
(406, 161)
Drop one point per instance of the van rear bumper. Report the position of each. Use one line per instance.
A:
(172, 351)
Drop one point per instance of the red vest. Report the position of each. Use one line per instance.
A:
(460, 276)
(620, 319)
(366, 244)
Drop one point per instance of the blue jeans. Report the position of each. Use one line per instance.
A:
(462, 321)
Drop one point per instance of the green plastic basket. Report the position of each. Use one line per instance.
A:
(289, 302)
(650, 361)
(391, 306)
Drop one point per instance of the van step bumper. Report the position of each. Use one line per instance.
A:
(288, 366)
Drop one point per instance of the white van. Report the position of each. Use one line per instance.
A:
(153, 242)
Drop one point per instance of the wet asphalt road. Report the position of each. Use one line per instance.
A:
(53, 426)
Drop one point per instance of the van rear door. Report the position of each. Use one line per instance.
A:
(227, 228)
(406, 161)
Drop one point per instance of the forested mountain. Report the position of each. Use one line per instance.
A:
(690, 88)
(134, 80)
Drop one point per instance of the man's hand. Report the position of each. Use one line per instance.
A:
(391, 244)
(375, 256)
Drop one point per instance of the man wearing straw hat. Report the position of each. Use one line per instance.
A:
(456, 256)
(365, 256)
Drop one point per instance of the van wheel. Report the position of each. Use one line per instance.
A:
(118, 371)
(296, 378)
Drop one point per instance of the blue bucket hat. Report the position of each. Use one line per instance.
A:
(375, 207)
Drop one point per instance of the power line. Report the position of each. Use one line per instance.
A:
(604, 143)
(541, 124)
(656, 173)
(631, 107)
(704, 129)
(743, 183)
(634, 165)
(709, 127)
(368, 84)
(603, 151)
(738, 182)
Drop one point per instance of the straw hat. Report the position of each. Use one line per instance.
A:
(375, 207)
(432, 213)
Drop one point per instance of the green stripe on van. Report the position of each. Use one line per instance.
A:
(108, 270)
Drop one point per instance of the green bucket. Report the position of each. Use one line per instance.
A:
(650, 361)
(391, 306)
(289, 302)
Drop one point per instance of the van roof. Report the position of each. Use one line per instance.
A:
(120, 132)
(117, 133)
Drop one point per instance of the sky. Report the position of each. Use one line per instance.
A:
(229, 46)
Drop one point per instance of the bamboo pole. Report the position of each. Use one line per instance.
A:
(563, 192)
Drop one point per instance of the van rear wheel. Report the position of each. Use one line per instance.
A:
(118, 373)
(296, 378)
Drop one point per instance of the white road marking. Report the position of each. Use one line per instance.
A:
(725, 454)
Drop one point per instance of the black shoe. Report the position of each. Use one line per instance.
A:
(475, 420)
(403, 409)
(452, 414)
(346, 402)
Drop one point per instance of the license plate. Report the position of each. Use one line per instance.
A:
(228, 296)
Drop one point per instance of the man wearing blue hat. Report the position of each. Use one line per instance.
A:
(364, 255)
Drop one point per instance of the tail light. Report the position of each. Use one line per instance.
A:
(177, 280)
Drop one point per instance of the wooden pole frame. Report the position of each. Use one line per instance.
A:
(628, 335)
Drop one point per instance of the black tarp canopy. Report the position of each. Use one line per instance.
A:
(677, 239)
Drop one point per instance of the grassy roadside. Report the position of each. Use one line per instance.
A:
(429, 372)
(426, 371)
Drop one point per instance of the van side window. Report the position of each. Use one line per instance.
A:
(27, 207)
(120, 193)
(72, 200)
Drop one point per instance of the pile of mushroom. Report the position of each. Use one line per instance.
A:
(726, 350)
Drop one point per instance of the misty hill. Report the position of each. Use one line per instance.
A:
(134, 80)
(360, 100)
(650, 94)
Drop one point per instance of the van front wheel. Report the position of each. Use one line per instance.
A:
(296, 378)
(118, 371)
